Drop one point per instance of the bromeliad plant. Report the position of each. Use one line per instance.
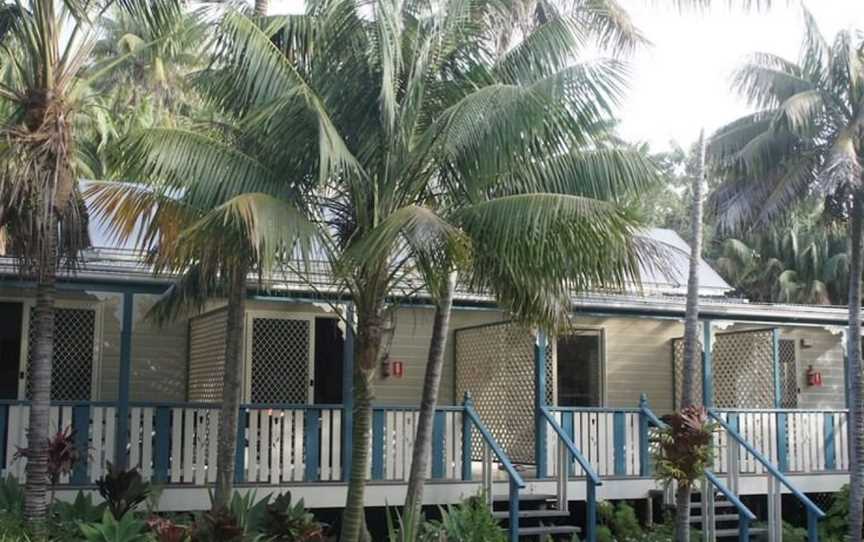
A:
(683, 448)
(123, 490)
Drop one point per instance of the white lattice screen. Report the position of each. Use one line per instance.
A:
(495, 364)
(743, 366)
(72, 364)
(280, 359)
(678, 370)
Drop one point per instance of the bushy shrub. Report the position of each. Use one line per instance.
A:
(126, 529)
(65, 517)
(284, 522)
(11, 497)
(834, 527)
(618, 523)
(469, 521)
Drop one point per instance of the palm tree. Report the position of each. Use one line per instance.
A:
(387, 112)
(805, 138)
(45, 94)
(692, 350)
(608, 23)
(237, 216)
(804, 262)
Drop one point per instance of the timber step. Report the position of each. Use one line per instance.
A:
(733, 533)
(504, 515)
(549, 530)
(526, 497)
(717, 517)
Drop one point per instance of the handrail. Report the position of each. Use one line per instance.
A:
(592, 479)
(583, 462)
(493, 445)
(742, 508)
(810, 505)
(516, 482)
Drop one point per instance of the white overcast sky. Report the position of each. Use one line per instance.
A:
(681, 82)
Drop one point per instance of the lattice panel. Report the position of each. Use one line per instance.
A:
(788, 375)
(678, 372)
(744, 369)
(495, 364)
(72, 363)
(743, 364)
(280, 360)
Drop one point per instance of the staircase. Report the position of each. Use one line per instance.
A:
(539, 518)
(725, 515)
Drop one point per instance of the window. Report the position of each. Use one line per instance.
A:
(579, 362)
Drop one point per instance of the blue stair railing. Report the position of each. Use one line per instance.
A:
(490, 448)
(566, 450)
(814, 513)
(745, 515)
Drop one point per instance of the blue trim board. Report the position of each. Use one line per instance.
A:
(313, 445)
(540, 402)
(377, 444)
(348, 394)
(438, 445)
(81, 428)
(163, 446)
(830, 452)
(125, 378)
(618, 443)
(708, 363)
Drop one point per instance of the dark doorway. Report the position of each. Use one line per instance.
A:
(329, 344)
(579, 357)
(10, 349)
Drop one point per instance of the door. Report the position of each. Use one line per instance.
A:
(579, 368)
(280, 357)
(11, 321)
(329, 346)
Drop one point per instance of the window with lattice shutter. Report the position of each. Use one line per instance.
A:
(74, 348)
(280, 354)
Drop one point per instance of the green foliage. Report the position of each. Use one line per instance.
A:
(469, 521)
(219, 524)
(12, 528)
(834, 527)
(122, 489)
(684, 450)
(110, 529)
(11, 497)
(618, 523)
(166, 530)
(65, 517)
(284, 522)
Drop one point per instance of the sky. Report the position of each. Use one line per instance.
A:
(680, 83)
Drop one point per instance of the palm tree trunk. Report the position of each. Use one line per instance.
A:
(423, 442)
(853, 342)
(691, 336)
(35, 502)
(261, 7)
(370, 331)
(231, 389)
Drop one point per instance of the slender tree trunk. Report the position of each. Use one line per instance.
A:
(423, 441)
(853, 345)
(261, 7)
(35, 502)
(231, 389)
(691, 336)
(370, 332)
